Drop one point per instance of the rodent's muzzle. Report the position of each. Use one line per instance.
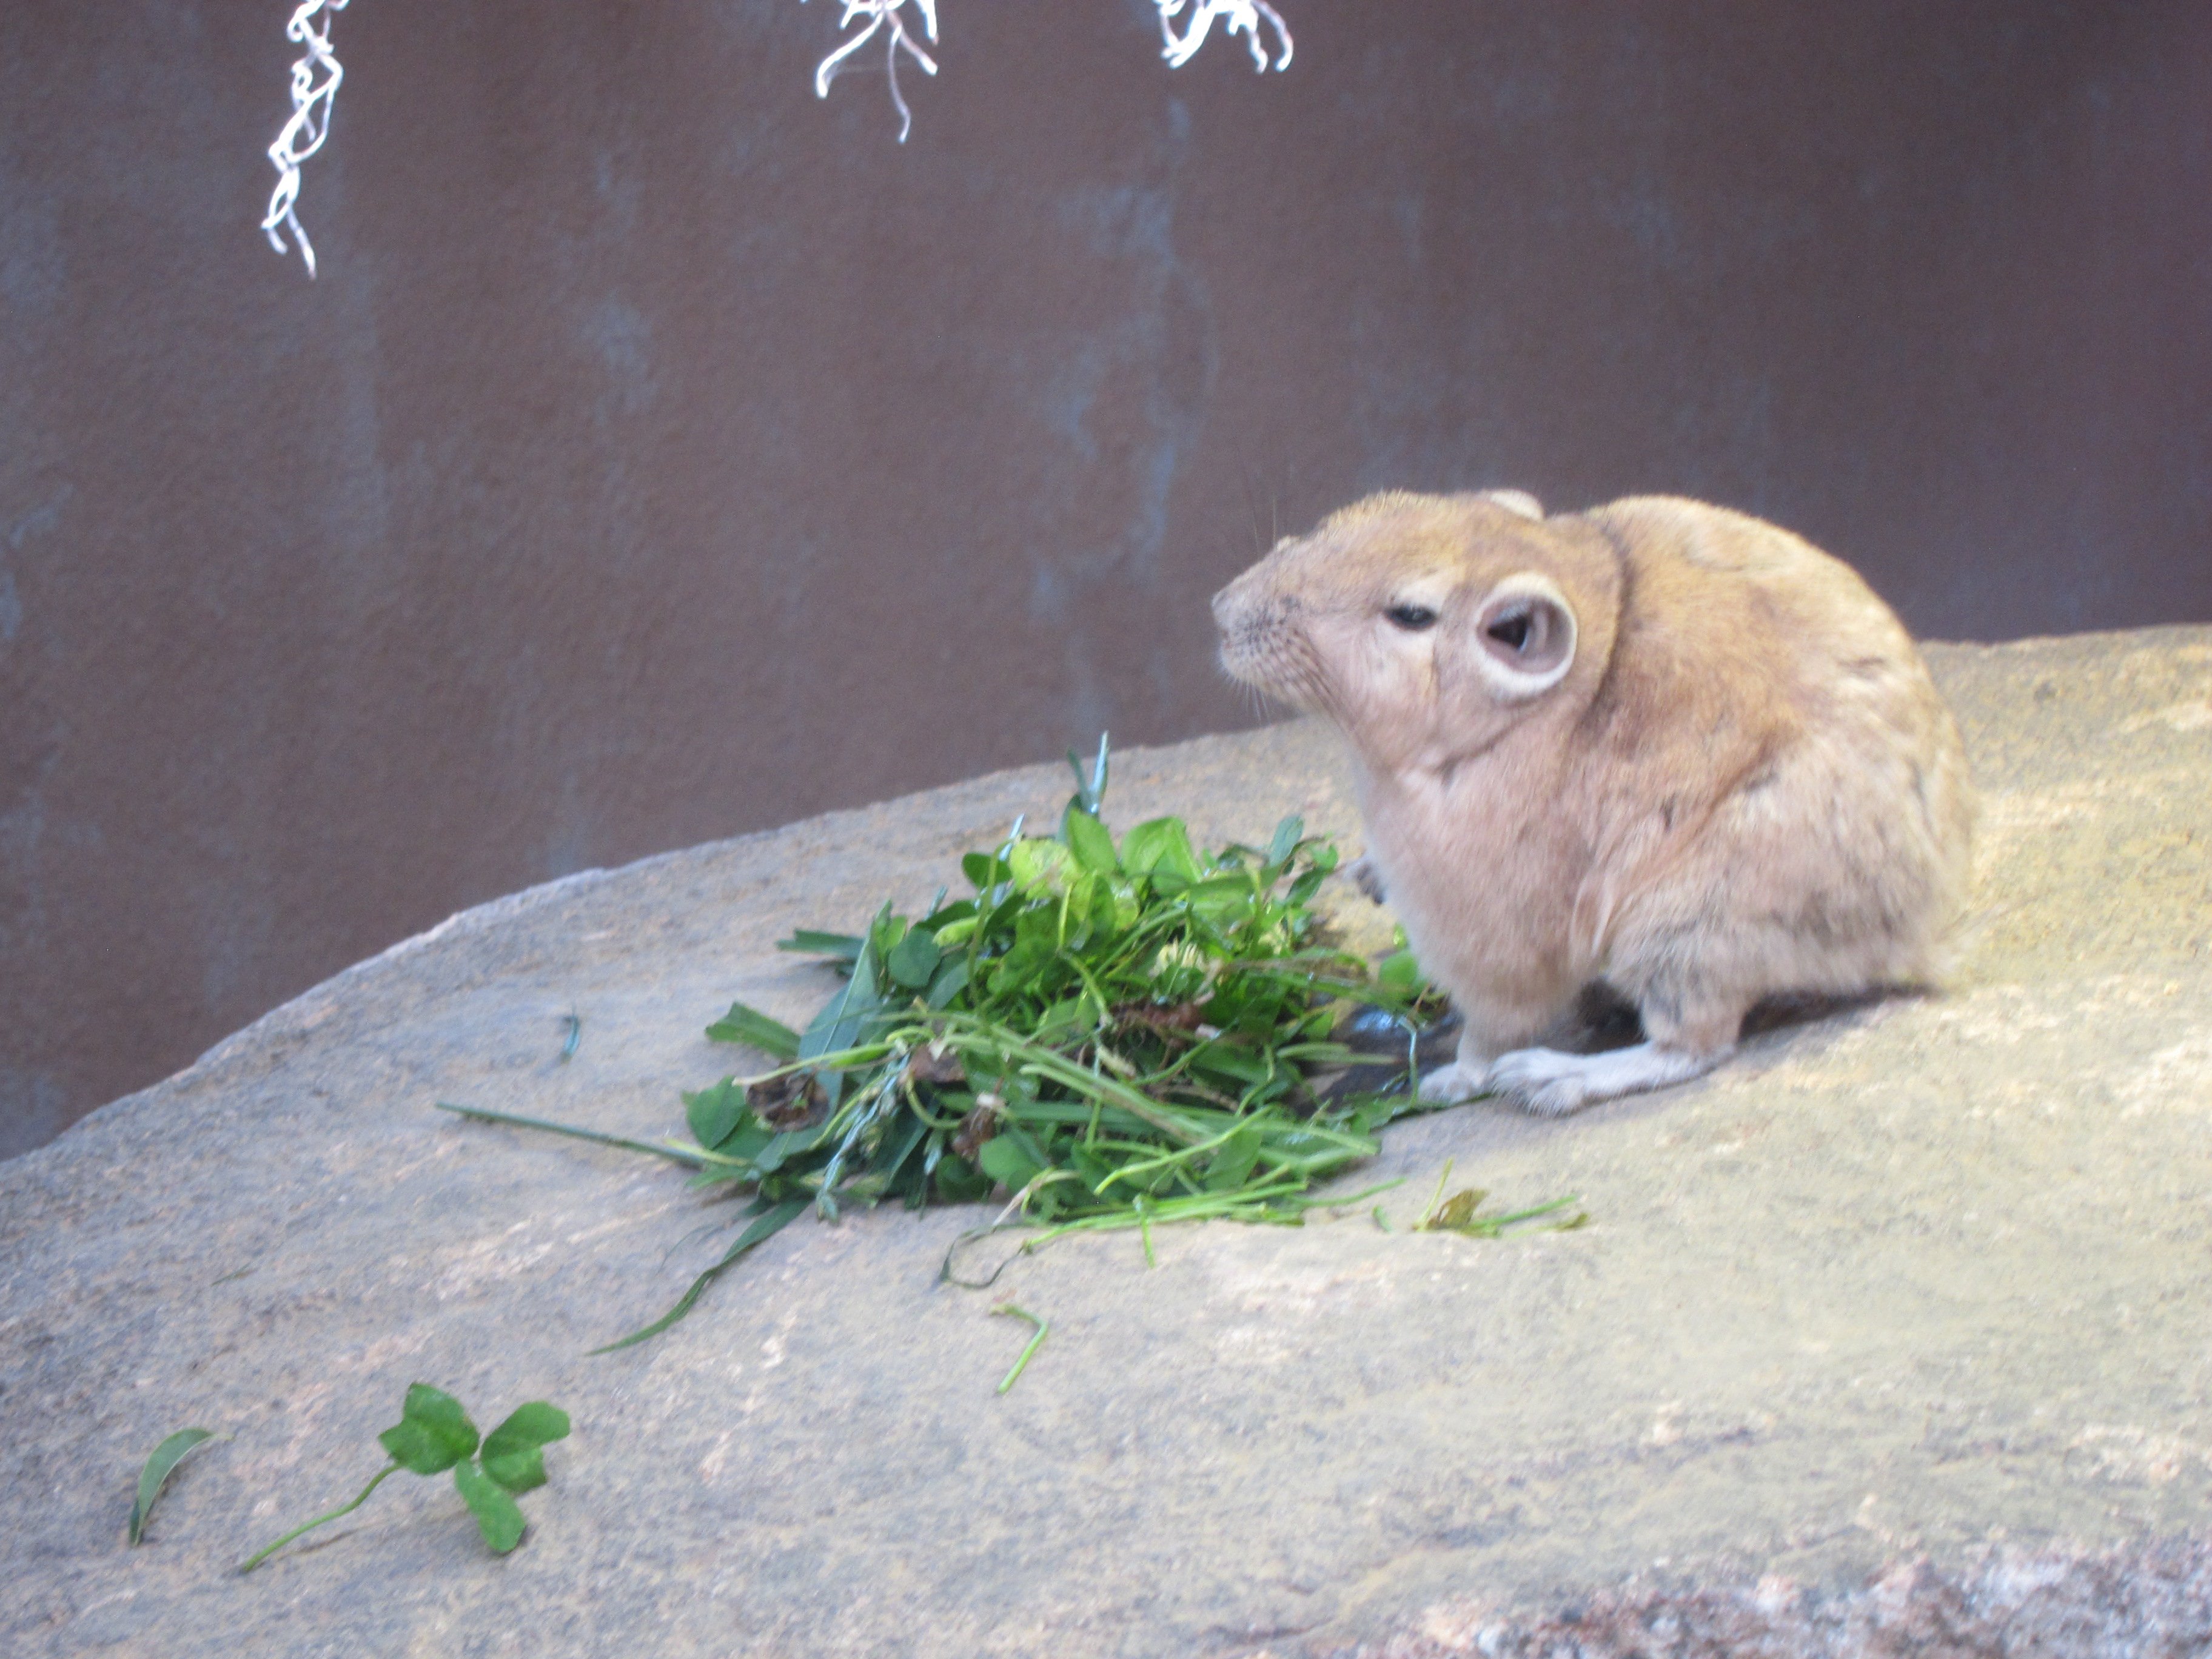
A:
(1248, 605)
(1225, 608)
(1237, 619)
(1256, 628)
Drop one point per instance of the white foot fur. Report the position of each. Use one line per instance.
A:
(1455, 1082)
(1552, 1084)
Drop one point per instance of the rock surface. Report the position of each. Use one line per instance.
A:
(1892, 1332)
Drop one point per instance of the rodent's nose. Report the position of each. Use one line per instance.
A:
(1241, 603)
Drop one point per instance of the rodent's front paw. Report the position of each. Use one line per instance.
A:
(1550, 1083)
(1543, 1080)
(1454, 1083)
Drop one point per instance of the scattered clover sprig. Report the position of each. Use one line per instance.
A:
(434, 1434)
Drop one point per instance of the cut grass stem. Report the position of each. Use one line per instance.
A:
(1035, 1342)
(686, 1156)
(382, 1474)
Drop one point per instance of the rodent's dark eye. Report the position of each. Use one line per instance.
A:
(1411, 617)
(1512, 630)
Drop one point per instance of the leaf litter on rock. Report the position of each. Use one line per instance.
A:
(1461, 1213)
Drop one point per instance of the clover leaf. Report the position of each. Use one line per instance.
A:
(434, 1434)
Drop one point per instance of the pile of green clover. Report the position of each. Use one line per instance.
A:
(1117, 1033)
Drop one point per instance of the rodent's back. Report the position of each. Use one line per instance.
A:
(1708, 587)
(1767, 740)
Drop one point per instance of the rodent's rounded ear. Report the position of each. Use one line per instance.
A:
(1526, 630)
(1516, 500)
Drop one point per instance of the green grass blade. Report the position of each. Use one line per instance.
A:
(764, 1227)
(673, 1154)
(158, 1468)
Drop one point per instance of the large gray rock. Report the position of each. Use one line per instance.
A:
(1897, 1325)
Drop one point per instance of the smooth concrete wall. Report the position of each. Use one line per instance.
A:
(663, 454)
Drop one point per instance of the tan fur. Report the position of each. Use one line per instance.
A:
(1743, 785)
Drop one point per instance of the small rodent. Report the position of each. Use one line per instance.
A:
(1658, 746)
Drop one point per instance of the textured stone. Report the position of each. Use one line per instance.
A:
(1890, 1336)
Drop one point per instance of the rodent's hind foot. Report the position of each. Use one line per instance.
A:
(1449, 1084)
(1367, 878)
(1551, 1083)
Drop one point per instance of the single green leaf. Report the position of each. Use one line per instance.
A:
(1039, 1146)
(432, 1432)
(752, 1027)
(914, 959)
(1039, 866)
(1221, 900)
(1090, 841)
(812, 942)
(519, 1471)
(1003, 1159)
(157, 1470)
(1240, 1067)
(1093, 1167)
(1160, 846)
(780, 1148)
(848, 1018)
(951, 979)
(1021, 968)
(499, 1517)
(897, 1147)
(982, 869)
(1231, 1164)
(1063, 1018)
(1288, 834)
(512, 1452)
(958, 1182)
(845, 1015)
(715, 1113)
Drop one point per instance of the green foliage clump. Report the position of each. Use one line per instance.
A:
(1115, 1031)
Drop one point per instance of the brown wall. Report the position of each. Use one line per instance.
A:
(663, 454)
